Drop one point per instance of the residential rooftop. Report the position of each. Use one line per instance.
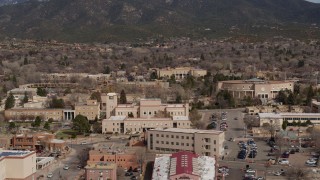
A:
(101, 165)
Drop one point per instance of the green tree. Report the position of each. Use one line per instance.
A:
(195, 118)
(25, 98)
(41, 92)
(96, 96)
(50, 120)
(178, 99)
(308, 122)
(291, 99)
(56, 103)
(25, 61)
(81, 124)
(106, 70)
(37, 121)
(46, 126)
(310, 94)
(123, 97)
(12, 125)
(284, 124)
(172, 79)
(10, 101)
(153, 75)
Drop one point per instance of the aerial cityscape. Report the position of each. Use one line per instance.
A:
(159, 90)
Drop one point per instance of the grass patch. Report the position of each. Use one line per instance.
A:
(66, 134)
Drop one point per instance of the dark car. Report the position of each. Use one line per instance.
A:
(128, 174)
(285, 154)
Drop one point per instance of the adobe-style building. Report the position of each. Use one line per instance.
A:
(29, 114)
(146, 108)
(278, 118)
(17, 165)
(121, 159)
(39, 141)
(147, 114)
(123, 124)
(184, 165)
(255, 88)
(101, 170)
(203, 142)
(91, 109)
(180, 72)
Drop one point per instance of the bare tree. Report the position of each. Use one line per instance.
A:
(315, 136)
(298, 173)
(271, 128)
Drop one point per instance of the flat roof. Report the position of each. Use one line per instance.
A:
(180, 130)
(283, 115)
(117, 118)
(101, 165)
(7, 153)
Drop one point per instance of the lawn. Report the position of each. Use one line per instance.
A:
(66, 134)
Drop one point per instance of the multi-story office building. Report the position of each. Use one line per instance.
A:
(146, 108)
(91, 109)
(184, 165)
(101, 170)
(278, 118)
(203, 142)
(255, 88)
(123, 124)
(17, 165)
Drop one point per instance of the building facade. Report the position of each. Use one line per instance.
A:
(29, 114)
(41, 141)
(278, 118)
(101, 171)
(203, 142)
(146, 108)
(17, 165)
(123, 124)
(180, 72)
(183, 165)
(121, 159)
(91, 109)
(255, 88)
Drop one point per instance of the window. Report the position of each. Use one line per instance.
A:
(162, 142)
(157, 142)
(149, 113)
(182, 137)
(214, 149)
(167, 142)
(214, 142)
(207, 140)
(162, 135)
(177, 137)
(187, 144)
(167, 136)
(172, 136)
(187, 137)
(172, 143)
(157, 135)
(182, 144)
(177, 143)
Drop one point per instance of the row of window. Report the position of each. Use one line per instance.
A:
(305, 119)
(176, 137)
(175, 143)
(34, 113)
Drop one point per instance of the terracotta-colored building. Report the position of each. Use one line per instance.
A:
(37, 142)
(123, 160)
(101, 170)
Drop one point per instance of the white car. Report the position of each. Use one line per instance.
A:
(277, 173)
(83, 143)
(250, 171)
(311, 161)
(283, 161)
(66, 167)
(50, 175)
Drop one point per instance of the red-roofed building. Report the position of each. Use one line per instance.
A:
(183, 165)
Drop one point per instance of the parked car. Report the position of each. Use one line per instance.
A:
(50, 175)
(286, 154)
(250, 171)
(283, 161)
(128, 174)
(231, 139)
(83, 143)
(66, 167)
(311, 161)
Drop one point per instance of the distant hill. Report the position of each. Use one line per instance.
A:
(104, 20)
